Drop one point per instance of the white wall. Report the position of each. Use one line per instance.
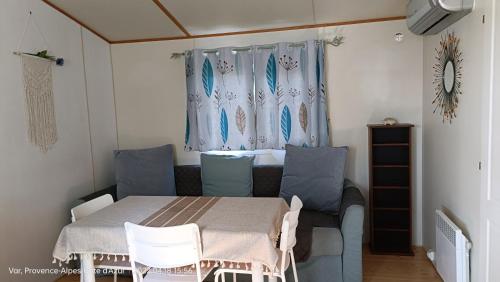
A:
(452, 152)
(369, 77)
(375, 77)
(101, 105)
(37, 189)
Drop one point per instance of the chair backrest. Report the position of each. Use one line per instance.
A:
(90, 207)
(164, 247)
(289, 226)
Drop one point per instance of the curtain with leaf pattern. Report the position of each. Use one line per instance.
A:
(291, 95)
(262, 97)
(220, 104)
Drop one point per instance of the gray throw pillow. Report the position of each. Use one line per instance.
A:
(315, 175)
(146, 172)
(227, 176)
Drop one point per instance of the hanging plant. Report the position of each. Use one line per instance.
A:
(45, 55)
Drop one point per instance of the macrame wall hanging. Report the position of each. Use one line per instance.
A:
(39, 96)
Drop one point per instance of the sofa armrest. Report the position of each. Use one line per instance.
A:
(110, 190)
(351, 216)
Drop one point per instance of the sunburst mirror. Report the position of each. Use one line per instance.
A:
(448, 77)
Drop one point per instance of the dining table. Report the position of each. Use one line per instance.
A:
(240, 231)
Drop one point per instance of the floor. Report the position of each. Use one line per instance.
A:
(376, 268)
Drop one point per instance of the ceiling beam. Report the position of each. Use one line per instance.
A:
(171, 17)
(194, 36)
(60, 10)
(150, 39)
(297, 27)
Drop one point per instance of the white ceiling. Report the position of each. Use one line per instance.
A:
(121, 20)
(327, 11)
(215, 16)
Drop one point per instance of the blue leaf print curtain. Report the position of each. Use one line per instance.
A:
(220, 100)
(290, 95)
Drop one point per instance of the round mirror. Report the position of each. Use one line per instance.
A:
(449, 76)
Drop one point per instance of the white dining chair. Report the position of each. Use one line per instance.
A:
(90, 207)
(169, 253)
(287, 242)
(87, 209)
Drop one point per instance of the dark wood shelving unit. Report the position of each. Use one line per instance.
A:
(392, 209)
(391, 145)
(390, 162)
(390, 187)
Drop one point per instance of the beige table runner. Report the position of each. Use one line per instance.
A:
(182, 210)
(232, 230)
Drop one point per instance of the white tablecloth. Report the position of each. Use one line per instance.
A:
(232, 230)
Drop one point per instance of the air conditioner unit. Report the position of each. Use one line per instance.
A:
(426, 17)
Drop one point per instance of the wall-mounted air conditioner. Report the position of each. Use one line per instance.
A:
(427, 17)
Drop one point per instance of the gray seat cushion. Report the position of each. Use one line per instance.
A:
(326, 242)
(319, 269)
(308, 220)
(145, 172)
(315, 175)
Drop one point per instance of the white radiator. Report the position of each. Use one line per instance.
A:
(452, 250)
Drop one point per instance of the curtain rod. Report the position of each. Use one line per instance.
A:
(336, 41)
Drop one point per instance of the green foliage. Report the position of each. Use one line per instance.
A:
(43, 54)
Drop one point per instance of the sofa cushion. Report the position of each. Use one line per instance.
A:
(322, 268)
(326, 242)
(312, 218)
(315, 175)
(226, 176)
(308, 220)
(145, 172)
(267, 181)
(188, 180)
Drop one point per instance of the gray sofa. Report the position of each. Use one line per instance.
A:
(334, 252)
